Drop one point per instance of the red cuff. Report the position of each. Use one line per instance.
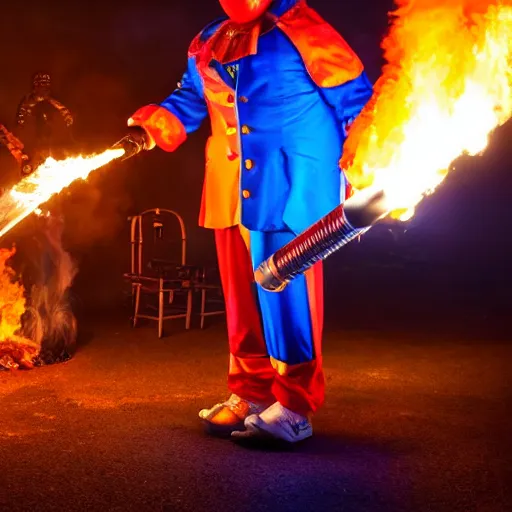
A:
(349, 190)
(164, 127)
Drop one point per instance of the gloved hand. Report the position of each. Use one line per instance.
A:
(138, 126)
(163, 128)
(136, 140)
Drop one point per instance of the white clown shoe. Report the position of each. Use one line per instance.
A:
(276, 422)
(224, 418)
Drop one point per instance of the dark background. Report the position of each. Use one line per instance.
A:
(109, 58)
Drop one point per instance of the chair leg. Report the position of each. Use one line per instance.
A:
(160, 309)
(137, 303)
(189, 308)
(203, 306)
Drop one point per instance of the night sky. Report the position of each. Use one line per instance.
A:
(109, 58)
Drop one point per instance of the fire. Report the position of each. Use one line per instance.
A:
(40, 328)
(446, 86)
(15, 350)
(47, 180)
(49, 316)
(12, 298)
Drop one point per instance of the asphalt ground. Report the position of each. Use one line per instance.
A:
(412, 422)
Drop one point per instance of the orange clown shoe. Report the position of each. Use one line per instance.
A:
(225, 418)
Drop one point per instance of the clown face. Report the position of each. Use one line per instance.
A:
(245, 11)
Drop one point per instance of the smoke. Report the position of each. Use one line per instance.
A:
(39, 328)
(49, 320)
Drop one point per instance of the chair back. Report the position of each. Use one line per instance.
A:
(158, 243)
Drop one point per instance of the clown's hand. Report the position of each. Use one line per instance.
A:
(162, 127)
(136, 140)
(138, 130)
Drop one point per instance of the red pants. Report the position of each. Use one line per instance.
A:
(253, 374)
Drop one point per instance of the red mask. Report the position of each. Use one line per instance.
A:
(244, 11)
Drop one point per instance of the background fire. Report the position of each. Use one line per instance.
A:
(38, 327)
(15, 349)
(446, 85)
(44, 329)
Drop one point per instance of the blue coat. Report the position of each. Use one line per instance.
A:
(273, 164)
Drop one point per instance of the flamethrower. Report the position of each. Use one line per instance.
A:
(329, 234)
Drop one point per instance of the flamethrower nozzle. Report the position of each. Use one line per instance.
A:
(133, 143)
(326, 236)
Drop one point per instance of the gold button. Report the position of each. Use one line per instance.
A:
(245, 129)
(231, 130)
(246, 194)
(249, 164)
(243, 99)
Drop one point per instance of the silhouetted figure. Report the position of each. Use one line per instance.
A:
(41, 106)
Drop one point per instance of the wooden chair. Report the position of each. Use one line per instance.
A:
(159, 269)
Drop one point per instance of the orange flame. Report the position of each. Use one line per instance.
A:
(47, 180)
(44, 324)
(12, 298)
(446, 86)
(50, 178)
(15, 349)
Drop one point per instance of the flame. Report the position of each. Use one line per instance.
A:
(50, 321)
(49, 318)
(12, 298)
(42, 328)
(47, 180)
(15, 349)
(446, 86)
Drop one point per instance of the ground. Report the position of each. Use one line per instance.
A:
(412, 422)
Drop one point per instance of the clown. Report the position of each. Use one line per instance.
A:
(281, 88)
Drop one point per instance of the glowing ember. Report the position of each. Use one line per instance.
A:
(48, 179)
(446, 87)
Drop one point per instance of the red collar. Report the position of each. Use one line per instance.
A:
(233, 41)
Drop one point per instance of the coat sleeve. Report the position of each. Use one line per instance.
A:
(349, 99)
(187, 101)
(181, 113)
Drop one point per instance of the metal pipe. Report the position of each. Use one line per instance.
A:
(326, 236)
